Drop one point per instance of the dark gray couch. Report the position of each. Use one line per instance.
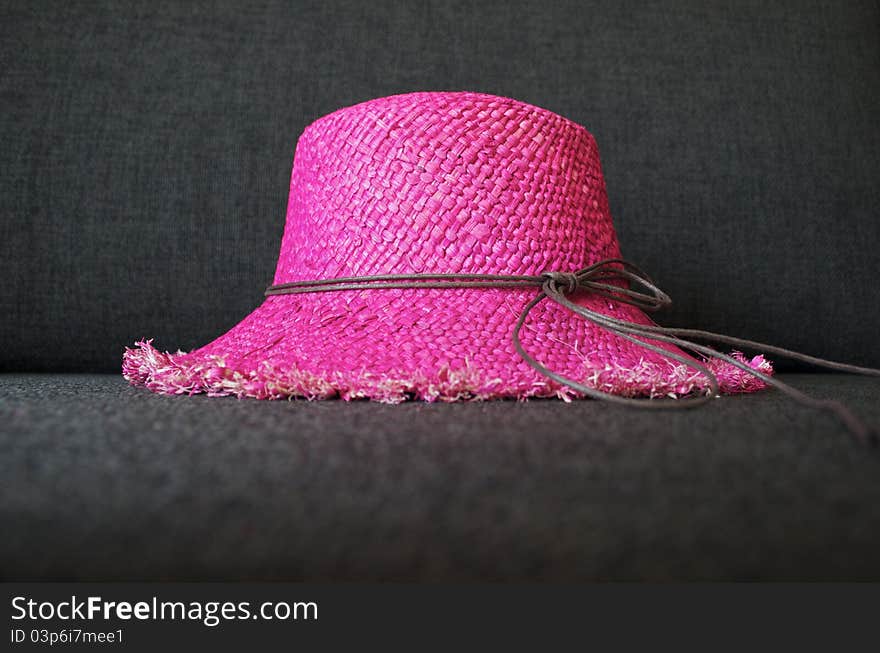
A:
(145, 152)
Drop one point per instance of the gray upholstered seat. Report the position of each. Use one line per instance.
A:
(145, 153)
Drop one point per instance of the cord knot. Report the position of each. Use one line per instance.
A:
(565, 282)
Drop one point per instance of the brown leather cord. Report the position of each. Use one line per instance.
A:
(602, 278)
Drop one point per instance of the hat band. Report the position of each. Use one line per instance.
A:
(600, 279)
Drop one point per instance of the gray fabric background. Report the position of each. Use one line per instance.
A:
(145, 151)
(103, 481)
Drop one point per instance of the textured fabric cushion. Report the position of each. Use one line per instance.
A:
(146, 148)
(102, 480)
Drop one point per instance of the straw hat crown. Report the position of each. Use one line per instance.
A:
(444, 182)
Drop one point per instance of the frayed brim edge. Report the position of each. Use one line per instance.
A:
(183, 374)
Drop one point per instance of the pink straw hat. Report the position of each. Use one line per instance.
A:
(464, 185)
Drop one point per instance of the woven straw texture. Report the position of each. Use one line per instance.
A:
(433, 182)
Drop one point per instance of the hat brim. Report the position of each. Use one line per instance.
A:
(425, 344)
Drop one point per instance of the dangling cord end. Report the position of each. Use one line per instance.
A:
(862, 432)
